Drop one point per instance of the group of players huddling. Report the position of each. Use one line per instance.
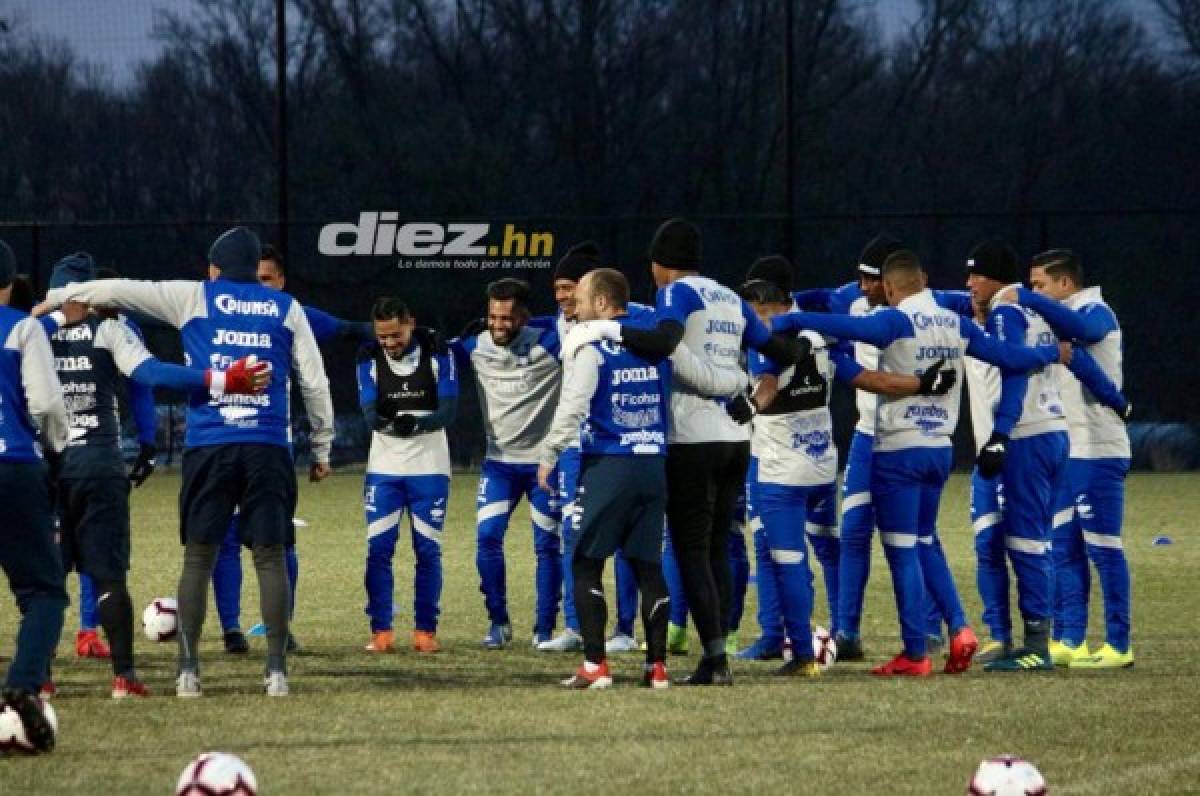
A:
(652, 435)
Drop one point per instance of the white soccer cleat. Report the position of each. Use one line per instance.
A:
(620, 643)
(567, 641)
(187, 685)
(276, 684)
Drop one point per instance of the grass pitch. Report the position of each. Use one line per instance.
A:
(472, 720)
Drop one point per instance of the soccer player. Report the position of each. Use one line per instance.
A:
(578, 260)
(797, 462)
(227, 575)
(517, 375)
(32, 399)
(707, 453)
(408, 391)
(92, 492)
(912, 451)
(237, 451)
(1098, 464)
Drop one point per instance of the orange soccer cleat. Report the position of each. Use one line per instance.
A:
(381, 641)
(963, 645)
(425, 641)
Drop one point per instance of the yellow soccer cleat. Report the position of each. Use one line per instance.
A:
(677, 639)
(1105, 658)
(1064, 654)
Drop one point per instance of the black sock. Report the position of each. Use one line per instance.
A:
(656, 608)
(590, 605)
(116, 616)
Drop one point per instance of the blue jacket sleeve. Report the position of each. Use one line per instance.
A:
(326, 327)
(1009, 324)
(153, 373)
(1085, 368)
(756, 334)
(676, 302)
(958, 301)
(879, 329)
(1090, 325)
(845, 368)
(49, 323)
(447, 376)
(761, 366)
(813, 300)
(141, 404)
(441, 417)
(1005, 356)
(368, 393)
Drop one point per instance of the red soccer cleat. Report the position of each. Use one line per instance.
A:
(600, 678)
(88, 644)
(901, 666)
(47, 690)
(655, 676)
(963, 645)
(123, 687)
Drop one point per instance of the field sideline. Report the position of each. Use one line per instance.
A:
(471, 720)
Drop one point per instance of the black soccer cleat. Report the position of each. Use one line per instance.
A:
(849, 649)
(708, 674)
(38, 730)
(235, 642)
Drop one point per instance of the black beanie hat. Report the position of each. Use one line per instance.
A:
(579, 259)
(774, 268)
(676, 245)
(877, 250)
(237, 253)
(77, 267)
(996, 260)
(8, 265)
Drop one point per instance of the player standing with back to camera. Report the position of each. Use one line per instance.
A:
(30, 403)
(238, 448)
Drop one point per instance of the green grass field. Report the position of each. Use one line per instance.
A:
(471, 720)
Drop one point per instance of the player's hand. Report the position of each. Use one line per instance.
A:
(543, 477)
(73, 312)
(319, 471)
(404, 425)
(741, 408)
(143, 467)
(246, 376)
(936, 381)
(42, 308)
(1065, 351)
(991, 458)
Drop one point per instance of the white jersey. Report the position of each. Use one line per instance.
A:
(866, 355)
(1096, 431)
(1042, 410)
(983, 395)
(793, 437)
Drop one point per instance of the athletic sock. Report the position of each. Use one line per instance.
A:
(273, 595)
(590, 605)
(656, 608)
(192, 594)
(116, 615)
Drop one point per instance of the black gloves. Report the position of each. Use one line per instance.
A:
(404, 425)
(991, 458)
(144, 465)
(935, 381)
(741, 408)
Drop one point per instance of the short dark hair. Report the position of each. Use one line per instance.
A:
(1060, 262)
(21, 297)
(390, 308)
(901, 260)
(510, 289)
(269, 252)
(611, 284)
(760, 291)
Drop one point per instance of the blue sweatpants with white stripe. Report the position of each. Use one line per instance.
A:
(739, 562)
(783, 511)
(991, 563)
(501, 486)
(1097, 489)
(385, 500)
(858, 524)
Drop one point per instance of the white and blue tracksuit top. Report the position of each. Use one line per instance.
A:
(30, 393)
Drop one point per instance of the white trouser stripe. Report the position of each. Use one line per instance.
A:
(899, 539)
(426, 530)
(384, 524)
(856, 500)
(925, 539)
(755, 524)
(1031, 546)
(543, 521)
(986, 521)
(490, 510)
(1103, 540)
(1063, 517)
(787, 556)
(813, 529)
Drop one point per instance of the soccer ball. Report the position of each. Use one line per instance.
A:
(1007, 776)
(12, 731)
(824, 648)
(160, 620)
(217, 774)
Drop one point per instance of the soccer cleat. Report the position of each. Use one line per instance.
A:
(1064, 654)
(538, 639)
(992, 649)
(677, 639)
(799, 667)
(763, 649)
(849, 649)
(381, 641)
(124, 687)
(708, 674)
(38, 730)
(567, 641)
(498, 636)
(1106, 657)
(89, 645)
(654, 675)
(425, 641)
(599, 678)
(1022, 659)
(235, 642)
(275, 684)
(902, 666)
(963, 646)
(620, 643)
(187, 685)
(731, 644)
(48, 689)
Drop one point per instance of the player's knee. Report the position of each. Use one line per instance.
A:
(545, 544)
(490, 535)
